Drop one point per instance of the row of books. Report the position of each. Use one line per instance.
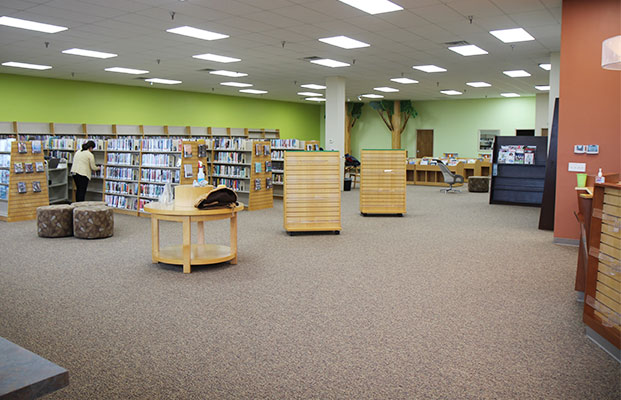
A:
(232, 157)
(100, 144)
(142, 203)
(161, 160)
(278, 178)
(235, 184)
(278, 154)
(122, 173)
(115, 187)
(159, 175)
(231, 170)
(287, 143)
(232, 143)
(64, 144)
(161, 145)
(64, 155)
(4, 175)
(151, 190)
(122, 158)
(124, 144)
(5, 144)
(5, 160)
(4, 192)
(126, 203)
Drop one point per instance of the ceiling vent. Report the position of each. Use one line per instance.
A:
(457, 43)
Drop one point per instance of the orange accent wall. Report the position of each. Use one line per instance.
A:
(590, 102)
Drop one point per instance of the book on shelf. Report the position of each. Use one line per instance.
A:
(202, 151)
(257, 167)
(187, 150)
(187, 170)
(28, 167)
(39, 166)
(22, 148)
(21, 187)
(36, 146)
(257, 184)
(19, 167)
(268, 183)
(36, 186)
(268, 166)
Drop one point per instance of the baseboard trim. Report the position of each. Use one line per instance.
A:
(567, 242)
(603, 344)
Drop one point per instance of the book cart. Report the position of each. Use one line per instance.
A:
(312, 191)
(23, 181)
(602, 306)
(382, 182)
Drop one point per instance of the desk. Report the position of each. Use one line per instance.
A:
(25, 375)
(189, 254)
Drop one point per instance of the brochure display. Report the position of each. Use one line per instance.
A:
(382, 182)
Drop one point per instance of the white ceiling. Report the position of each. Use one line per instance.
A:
(136, 31)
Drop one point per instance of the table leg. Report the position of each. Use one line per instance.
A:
(234, 237)
(187, 245)
(200, 232)
(155, 239)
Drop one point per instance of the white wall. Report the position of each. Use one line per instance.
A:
(541, 113)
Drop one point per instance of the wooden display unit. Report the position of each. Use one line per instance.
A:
(279, 146)
(602, 307)
(382, 182)
(312, 200)
(410, 172)
(22, 206)
(430, 175)
(261, 196)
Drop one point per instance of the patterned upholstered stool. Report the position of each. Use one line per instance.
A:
(55, 220)
(88, 203)
(478, 184)
(93, 222)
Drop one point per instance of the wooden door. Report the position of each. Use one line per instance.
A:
(424, 143)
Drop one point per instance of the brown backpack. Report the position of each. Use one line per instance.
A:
(217, 198)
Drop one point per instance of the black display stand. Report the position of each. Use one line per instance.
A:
(546, 216)
(520, 184)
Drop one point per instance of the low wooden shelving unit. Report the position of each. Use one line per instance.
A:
(382, 182)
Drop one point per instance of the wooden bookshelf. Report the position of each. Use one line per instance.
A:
(312, 197)
(22, 206)
(261, 196)
(279, 146)
(160, 158)
(410, 171)
(382, 181)
(122, 175)
(602, 308)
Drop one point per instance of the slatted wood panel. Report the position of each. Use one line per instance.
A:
(382, 181)
(264, 197)
(312, 191)
(602, 311)
(23, 206)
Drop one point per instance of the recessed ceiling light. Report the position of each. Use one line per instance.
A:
(545, 66)
(326, 62)
(25, 65)
(31, 25)
(517, 73)
(253, 91)
(450, 92)
(512, 35)
(404, 81)
(372, 96)
(230, 74)
(315, 99)
(373, 6)
(468, 50)
(309, 94)
(429, 68)
(542, 87)
(216, 58)
(344, 42)
(386, 89)
(478, 84)
(163, 81)
(313, 86)
(236, 84)
(197, 33)
(89, 53)
(509, 94)
(126, 70)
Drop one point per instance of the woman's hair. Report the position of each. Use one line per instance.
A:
(88, 145)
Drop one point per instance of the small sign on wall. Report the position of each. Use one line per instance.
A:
(586, 148)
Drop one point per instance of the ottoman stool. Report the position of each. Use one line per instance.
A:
(478, 184)
(88, 203)
(55, 220)
(93, 222)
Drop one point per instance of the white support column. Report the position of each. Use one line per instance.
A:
(335, 117)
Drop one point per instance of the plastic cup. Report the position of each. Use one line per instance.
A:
(581, 180)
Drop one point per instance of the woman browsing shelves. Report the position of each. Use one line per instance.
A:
(83, 165)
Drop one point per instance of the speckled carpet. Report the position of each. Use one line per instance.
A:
(456, 300)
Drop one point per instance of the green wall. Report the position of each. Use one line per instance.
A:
(33, 99)
(455, 124)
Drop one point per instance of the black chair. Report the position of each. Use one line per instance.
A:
(449, 177)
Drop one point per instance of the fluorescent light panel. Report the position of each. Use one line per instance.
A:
(163, 81)
(123, 70)
(542, 87)
(327, 62)
(253, 91)
(313, 86)
(310, 94)
(373, 6)
(405, 81)
(386, 89)
(315, 99)
(545, 66)
(509, 94)
(372, 96)
(230, 74)
(344, 42)
(450, 92)
(512, 35)
(429, 68)
(516, 73)
(478, 84)
(31, 25)
(197, 33)
(468, 50)
(236, 84)
(216, 58)
(26, 65)
(88, 53)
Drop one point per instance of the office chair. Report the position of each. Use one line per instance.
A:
(449, 177)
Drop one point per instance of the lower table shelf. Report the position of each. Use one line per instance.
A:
(200, 254)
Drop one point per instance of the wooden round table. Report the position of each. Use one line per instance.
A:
(189, 254)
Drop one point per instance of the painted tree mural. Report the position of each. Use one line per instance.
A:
(395, 115)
